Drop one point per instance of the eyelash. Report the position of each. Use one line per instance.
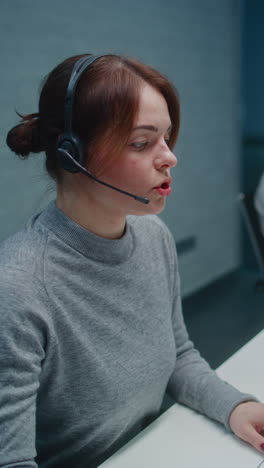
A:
(140, 146)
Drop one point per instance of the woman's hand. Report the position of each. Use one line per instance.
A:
(247, 422)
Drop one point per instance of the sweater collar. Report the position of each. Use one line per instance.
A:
(95, 247)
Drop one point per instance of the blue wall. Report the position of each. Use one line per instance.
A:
(252, 93)
(253, 68)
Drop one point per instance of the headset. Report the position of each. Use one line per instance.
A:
(69, 152)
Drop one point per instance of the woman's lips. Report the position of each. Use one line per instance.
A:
(164, 189)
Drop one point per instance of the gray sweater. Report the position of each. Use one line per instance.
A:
(92, 336)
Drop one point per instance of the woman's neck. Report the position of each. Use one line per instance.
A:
(91, 216)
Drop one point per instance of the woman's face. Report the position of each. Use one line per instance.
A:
(144, 166)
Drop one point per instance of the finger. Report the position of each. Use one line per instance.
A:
(255, 439)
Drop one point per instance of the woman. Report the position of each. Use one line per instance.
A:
(92, 329)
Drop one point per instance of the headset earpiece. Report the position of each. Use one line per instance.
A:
(72, 145)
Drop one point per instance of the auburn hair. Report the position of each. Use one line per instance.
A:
(105, 106)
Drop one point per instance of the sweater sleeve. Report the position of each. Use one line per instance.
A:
(21, 354)
(193, 383)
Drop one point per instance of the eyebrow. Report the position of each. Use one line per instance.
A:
(152, 128)
(146, 127)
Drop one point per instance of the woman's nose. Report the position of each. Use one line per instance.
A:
(166, 158)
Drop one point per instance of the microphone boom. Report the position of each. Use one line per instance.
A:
(89, 174)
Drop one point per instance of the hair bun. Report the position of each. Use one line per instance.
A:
(24, 138)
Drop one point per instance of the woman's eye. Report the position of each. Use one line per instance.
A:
(139, 145)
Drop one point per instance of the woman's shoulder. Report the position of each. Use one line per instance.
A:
(23, 250)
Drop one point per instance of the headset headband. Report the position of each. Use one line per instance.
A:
(79, 67)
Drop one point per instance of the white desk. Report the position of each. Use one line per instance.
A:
(181, 438)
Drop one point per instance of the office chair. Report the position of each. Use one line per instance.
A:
(250, 217)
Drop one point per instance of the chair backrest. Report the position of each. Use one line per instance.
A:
(250, 216)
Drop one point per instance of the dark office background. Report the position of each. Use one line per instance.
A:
(238, 307)
(213, 52)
